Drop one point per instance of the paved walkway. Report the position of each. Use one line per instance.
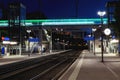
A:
(90, 67)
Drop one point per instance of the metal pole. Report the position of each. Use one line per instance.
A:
(29, 45)
(94, 43)
(29, 53)
(102, 40)
(102, 48)
(51, 42)
(41, 39)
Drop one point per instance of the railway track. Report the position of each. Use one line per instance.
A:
(49, 68)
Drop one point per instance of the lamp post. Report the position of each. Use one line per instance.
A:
(50, 45)
(28, 31)
(101, 14)
(94, 29)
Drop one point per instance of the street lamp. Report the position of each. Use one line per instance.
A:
(28, 31)
(101, 14)
(94, 29)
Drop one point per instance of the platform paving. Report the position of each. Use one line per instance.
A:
(89, 67)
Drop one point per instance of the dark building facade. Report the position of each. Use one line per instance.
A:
(111, 5)
(16, 18)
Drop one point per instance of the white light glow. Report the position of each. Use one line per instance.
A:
(114, 41)
(93, 29)
(107, 31)
(29, 24)
(9, 42)
(13, 43)
(3, 24)
(28, 31)
(101, 13)
(6, 42)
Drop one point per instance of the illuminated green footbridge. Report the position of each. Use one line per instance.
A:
(55, 22)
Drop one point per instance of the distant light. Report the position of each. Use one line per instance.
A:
(114, 41)
(6, 42)
(107, 31)
(89, 35)
(29, 24)
(28, 31)
(101, 13)
(61, 29)
(5, 38)
(9, 42)
(113, 37)
(13, 42)
(3, 24)
(56, 29)
(94, 29)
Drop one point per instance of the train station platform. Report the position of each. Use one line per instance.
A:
(16, 58)
(89, 67)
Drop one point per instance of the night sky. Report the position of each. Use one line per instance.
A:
(64, 8)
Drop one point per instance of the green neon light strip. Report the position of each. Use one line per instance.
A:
(66, 20)
(59, 21)
(3, 21)
(66, 23)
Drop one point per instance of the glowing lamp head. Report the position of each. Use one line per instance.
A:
(107, 31)
(101, 13)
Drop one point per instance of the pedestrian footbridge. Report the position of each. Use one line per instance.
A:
(57, 22)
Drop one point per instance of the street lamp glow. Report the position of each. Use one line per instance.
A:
(101, 13)
(28, 31)
(93, 29)
(107, 31)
